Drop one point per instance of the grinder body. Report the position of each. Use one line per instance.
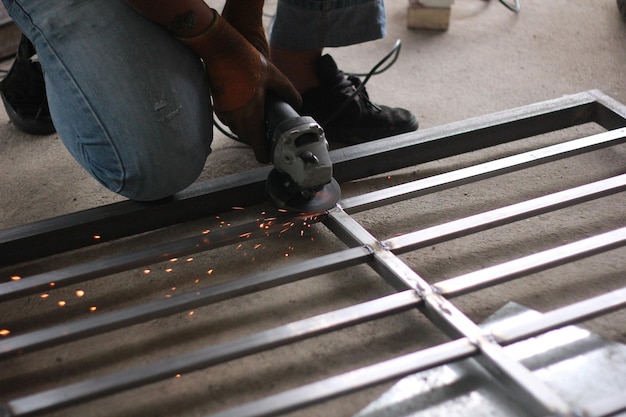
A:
(303, 176)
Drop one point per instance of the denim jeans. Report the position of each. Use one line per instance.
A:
(313, 24)
(131, 104)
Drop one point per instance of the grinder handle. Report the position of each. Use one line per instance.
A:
(276, 112)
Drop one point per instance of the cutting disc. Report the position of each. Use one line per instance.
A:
(285, 194)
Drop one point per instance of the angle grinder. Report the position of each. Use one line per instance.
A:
(302, 178)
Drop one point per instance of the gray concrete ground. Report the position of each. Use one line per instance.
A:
(489, 60)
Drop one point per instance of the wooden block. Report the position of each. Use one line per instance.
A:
(9, 34)
(433, 18)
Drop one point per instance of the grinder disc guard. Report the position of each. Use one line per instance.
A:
(285, 194)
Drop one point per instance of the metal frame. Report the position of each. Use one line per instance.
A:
(124, 219)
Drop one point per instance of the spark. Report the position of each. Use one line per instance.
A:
(52, 284)
(5, 332)
(146, 271)
(191, 313)
(237, 208)
(174, 260)
(80, 293)
(257, 246)
(96, 237)
(239, 246)
(169, 270)
(178, 375)
(93, 308)
(282, 210)
(16, 278)
(197, 281)
(173, 289)
(245, 235)
(61, 303)
(206, 232)
(209, 272)
(44, 295)
(189, 259)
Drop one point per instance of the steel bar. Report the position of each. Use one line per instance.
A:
(452, 287)
(102, 267)
(570, 314)
(533, 263)
(353, 381)
(141, 375)
(39, 239)
(505, 215)
(482, 171)
(66, 332)
(520, 382)
(414, 362)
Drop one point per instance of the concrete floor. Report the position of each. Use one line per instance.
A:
(489, 60)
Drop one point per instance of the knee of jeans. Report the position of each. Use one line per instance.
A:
(156, 180)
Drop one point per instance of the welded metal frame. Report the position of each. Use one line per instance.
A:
(468, 340)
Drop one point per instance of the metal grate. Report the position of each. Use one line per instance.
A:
(387, 256)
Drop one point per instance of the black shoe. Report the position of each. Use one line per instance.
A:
(23, 92)
(350, 118)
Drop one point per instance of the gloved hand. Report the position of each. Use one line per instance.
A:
(240, 76)
(247, 17)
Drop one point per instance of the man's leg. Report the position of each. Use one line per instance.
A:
(130, 103)
(301, 30)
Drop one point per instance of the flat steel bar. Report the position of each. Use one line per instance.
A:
(530, 264)
(517, 379)
(66, 332)
(139, 258)
(411, 363)
(167, 368)
(505, 333)
(482, 171)
(609, 113)
(42, 238)
(505, 215)
(353, 381)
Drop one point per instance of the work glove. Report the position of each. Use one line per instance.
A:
(246, 16)
(240, 76)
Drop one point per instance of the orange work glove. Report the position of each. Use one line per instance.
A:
(247, 17)
(240, 77)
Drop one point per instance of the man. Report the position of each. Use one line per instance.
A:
(133, 103)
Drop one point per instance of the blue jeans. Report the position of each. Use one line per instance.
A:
(315, 24)
(131, 104)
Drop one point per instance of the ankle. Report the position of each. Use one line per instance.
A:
(298, 66)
